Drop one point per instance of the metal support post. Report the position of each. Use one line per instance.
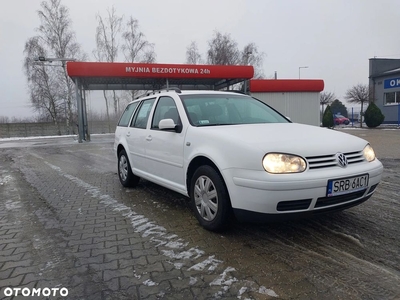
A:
(85, 121)
(79, 106)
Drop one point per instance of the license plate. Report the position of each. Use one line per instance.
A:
(347, 185)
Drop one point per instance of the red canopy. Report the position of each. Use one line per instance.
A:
(104, 75)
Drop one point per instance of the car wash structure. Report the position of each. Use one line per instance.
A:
(148, 77)
(297, 99)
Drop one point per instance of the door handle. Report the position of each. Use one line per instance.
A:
(128, 134)
(149, 138)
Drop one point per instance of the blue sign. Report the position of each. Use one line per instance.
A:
(392, 83)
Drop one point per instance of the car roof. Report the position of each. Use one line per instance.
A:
(210, 92)
(185, 92)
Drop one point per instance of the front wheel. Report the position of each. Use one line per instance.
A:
(126, 177)
(210, 199)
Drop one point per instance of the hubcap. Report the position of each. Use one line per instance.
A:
(206, 198)
(123, 167)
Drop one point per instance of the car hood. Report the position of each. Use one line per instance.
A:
(293, 138)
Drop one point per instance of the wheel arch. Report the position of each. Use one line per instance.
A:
(197, 162)
(120, 148)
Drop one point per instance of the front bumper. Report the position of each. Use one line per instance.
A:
(296, 194)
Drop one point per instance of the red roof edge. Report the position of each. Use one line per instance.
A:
(142, 70)
(286, 85)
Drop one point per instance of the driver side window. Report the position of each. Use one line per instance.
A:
(165, 109)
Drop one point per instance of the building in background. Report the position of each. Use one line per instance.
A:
(384, 81)
(298, 99)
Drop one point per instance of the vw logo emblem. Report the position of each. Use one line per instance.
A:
(341, 159)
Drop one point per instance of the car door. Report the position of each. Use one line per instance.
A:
(124, 121)
(136, 135)
(164, 149)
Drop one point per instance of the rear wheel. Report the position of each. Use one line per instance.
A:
(126, 177)
(210, 199)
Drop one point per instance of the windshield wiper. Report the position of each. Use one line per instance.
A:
(216, 124)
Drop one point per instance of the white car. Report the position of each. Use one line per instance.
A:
(233, 154)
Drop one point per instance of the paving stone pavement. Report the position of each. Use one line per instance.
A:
(69, 233)
(66, 222)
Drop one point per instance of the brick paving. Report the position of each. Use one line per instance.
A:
(66, 232)
(66, 222)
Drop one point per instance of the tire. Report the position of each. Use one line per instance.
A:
(346, 122)
(210, 199)
(337, 123)
(126, 177)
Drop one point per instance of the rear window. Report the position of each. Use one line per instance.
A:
(127, 114)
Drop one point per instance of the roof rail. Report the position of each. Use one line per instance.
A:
(236, 91)
(171, 88)
(175, 89)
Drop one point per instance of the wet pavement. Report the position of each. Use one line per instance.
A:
(67, 223)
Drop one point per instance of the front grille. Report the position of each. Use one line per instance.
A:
(326, 201)
(293, 205)
(328, 161)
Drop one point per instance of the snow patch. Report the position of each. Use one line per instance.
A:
(6, 179)
(224, 278)
(191, 253)
(209, 261)
(263, 290)
(149, 282)
(192, 280)
(178, 244)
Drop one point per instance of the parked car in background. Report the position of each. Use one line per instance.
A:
(339, 119)
(233, 155)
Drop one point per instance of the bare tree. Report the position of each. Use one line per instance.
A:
(223, 50)
(56, 39)
(45, 87)
(192, 54)
(4, 119)
(360, 93)
(251, 56)
(107, 45)
(136, 48)
(326, 98)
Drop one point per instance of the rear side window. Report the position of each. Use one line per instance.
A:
(127, 115)
(143, 113)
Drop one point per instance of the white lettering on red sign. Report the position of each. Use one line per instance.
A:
(138, 69)
(167, 70)
(175, 70)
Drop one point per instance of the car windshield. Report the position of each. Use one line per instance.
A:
(219, 109)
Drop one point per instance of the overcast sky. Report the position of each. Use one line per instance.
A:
(334, 38)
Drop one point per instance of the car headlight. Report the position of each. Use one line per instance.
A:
(369, 153)
(279, 163)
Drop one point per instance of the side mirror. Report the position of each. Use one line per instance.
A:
(166, 124)
(169, 125)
